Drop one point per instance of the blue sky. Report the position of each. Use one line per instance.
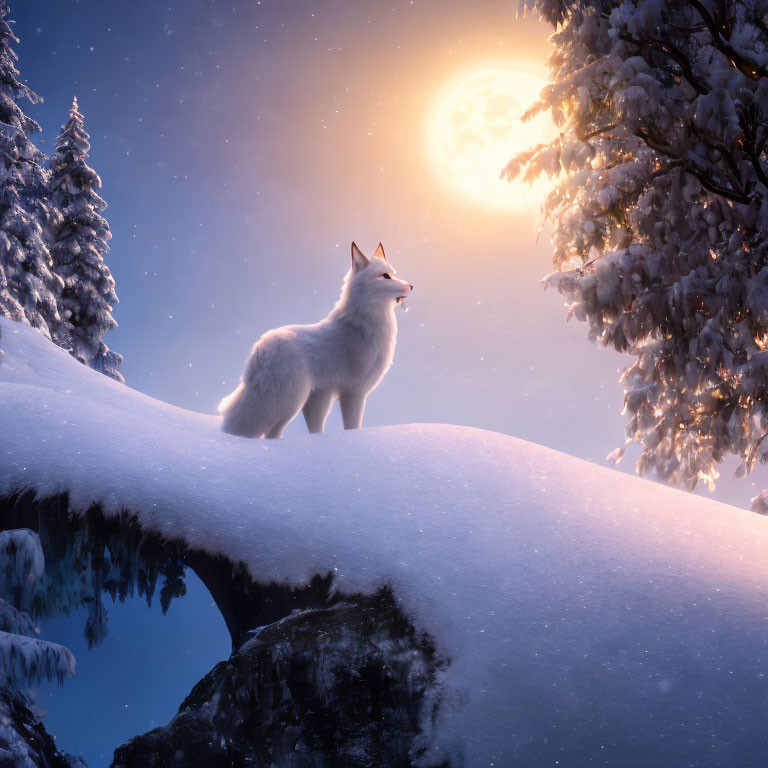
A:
(243, 146)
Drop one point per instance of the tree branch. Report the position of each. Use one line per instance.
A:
(730, 161)
(711, 186)
(753, 150)
(751, 69)
(662, 149)
(737, 195)
(761, 25)
(761, 144)
(597, 131)
(670, 166)
(674, 53)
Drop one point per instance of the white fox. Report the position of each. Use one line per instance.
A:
(307, 367)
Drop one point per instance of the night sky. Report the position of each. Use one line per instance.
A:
(243, 146)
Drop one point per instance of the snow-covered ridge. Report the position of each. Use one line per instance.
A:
(586, 613)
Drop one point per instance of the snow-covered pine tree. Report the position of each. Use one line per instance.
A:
(79, 241)
(660, 214)
(28, 286)
(24, 658)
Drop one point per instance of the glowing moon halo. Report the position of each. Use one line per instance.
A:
(476, 128)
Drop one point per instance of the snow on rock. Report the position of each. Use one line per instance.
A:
(590, 617)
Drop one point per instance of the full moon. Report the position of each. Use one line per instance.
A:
(475, 129)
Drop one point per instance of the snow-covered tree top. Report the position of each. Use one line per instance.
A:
(28, 286)
(570, 599)
(73, 183)
(72, 148)
(11, 87)
(80, 238)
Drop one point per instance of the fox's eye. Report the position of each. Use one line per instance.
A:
(387, 276)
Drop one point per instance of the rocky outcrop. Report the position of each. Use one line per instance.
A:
(24, 742)
(326, 680)
(350, 685)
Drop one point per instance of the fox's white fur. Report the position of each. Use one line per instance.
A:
(307, 367)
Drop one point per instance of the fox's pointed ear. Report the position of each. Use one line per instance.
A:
(358, 260)
(379, 253)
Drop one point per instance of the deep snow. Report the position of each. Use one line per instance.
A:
(592, 618)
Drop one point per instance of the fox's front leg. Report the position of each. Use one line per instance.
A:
(316, 410)
(352, 407)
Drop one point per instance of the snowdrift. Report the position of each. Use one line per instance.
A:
(591, 618)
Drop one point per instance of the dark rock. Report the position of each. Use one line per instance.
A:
(24, 743)
(350, 685)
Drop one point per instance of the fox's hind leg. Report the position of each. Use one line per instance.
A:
(274, 387)
(289, 396)
(288, 409)
(279, 428)
(316, 410)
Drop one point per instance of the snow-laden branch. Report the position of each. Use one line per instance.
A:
(31, 660)
(747, 62)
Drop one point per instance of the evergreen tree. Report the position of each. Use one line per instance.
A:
(28, 286)
(80, 240)
(661, 211)
(24, 658)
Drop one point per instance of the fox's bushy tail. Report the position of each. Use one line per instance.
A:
(241, 412)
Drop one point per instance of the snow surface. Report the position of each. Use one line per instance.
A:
(592, 618)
